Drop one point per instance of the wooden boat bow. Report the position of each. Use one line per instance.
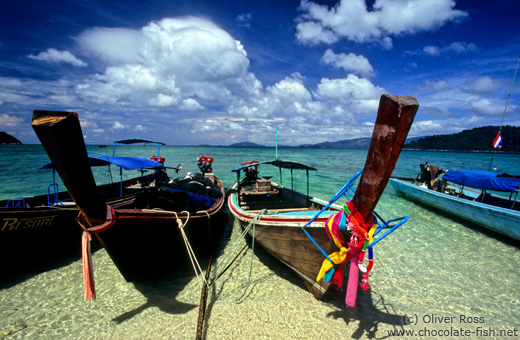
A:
(393, 122)
(61, 136)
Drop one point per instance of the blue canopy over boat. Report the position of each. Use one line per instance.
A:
(484, 180)
(127, 163)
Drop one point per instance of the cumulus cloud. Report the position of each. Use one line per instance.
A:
(435, 86)
(52, 55)
(349, 62)
(459, 47)
(486, 107)
(119, 126)
(358, 93)
(351, 19)
(172, 62)
(483, 85)
(193, 78)
(9, 121)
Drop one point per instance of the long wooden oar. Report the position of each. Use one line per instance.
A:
(394, 119)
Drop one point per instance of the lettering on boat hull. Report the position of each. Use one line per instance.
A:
(13, 223)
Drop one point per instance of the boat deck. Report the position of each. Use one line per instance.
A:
(265, 201)
(276, 200)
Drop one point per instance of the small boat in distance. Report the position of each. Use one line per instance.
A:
(465, 194)
(291, 225)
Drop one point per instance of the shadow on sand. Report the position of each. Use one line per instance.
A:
(161, 292)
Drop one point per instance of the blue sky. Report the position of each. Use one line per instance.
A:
(220, 72)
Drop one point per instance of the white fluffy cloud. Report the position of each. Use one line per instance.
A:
(52, 55)
(173, 62)
(9, 121)
(351, 19)
(349, 62)
(483, 85)
(358, 93)
(458, 47)
(189, 81)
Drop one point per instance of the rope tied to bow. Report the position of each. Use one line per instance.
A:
(86, 238)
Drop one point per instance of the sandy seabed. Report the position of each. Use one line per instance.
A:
(275, 305)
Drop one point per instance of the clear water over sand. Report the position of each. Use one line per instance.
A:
(437, 276)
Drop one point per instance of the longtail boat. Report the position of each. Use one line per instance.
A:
(485, 198)
(294, 227)
(36, 231)
(145, 238)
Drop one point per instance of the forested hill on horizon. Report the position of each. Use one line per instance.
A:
(477, 139)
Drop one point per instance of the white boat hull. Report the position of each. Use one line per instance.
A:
(501, 220)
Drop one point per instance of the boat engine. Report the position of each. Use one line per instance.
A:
(158, 159)
(251, 171)
(204, 164)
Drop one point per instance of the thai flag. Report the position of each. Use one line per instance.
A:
(497, 143)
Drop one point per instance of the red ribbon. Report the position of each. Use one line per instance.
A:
(88, 270)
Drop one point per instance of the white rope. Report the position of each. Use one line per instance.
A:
(191, 253)
(227, 258)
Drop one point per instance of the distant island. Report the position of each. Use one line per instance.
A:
(6, 138)
(477, 139)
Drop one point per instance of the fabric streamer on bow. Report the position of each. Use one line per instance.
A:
(88, 270)
(348, 223)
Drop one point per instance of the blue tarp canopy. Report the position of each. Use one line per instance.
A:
(127, 163)
(483, 180)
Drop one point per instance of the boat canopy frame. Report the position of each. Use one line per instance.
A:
(129, 141)
(347, 191)
(485, 180)
(100, 159)
(280, 164)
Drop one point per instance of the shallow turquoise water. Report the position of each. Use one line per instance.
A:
(436, 271)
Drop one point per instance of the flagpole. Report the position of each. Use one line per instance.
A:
(505, 109)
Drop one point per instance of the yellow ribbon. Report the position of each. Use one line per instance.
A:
(337, 257)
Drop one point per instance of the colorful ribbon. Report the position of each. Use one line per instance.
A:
(88, 270)
(339, 226)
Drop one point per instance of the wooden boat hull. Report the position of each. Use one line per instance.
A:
(500, 220)
(280, 233)
(147, 244)
(31, 236)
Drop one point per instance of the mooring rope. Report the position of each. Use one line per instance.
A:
(252, 257)
(191, 253)
(216, 274)
(195, 264)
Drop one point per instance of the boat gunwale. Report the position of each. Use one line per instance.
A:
(458, 199)
(274, 219)
(216, 207)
